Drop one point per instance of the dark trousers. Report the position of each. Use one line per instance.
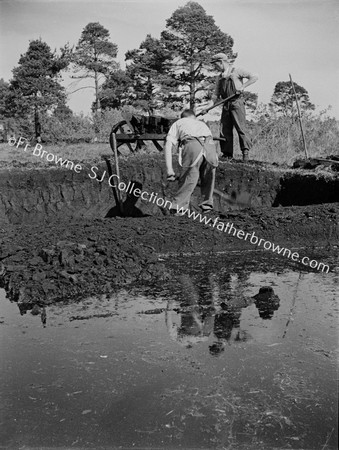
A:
(234, 115)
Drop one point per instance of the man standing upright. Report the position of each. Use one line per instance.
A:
(229, 82)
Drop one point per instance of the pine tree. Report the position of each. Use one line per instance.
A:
(35, 87)
(148, 72)
(4, 94)
(177, 67)
(94, 56)
(116, 90)
(192, 37)
(283, 99)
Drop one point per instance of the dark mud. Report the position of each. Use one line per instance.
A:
(44, 263)
(113, 339)
(55, 242)
(232, 352)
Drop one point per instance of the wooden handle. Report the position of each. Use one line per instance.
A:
(117, 171)
(217, 104)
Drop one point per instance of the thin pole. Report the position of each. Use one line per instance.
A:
(113, 186)
(292, 306)
(117, 171)
(299, 114)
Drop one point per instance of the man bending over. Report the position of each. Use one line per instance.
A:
(191, 135)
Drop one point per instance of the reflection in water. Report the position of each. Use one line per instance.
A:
(43, 317)
(228, 318)
(197, 308)
(106, 374)
(267, 302)
(207, 308)
(36, 310)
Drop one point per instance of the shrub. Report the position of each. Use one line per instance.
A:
(70, 130)
(17, 127)
(279, 140)
(103, 122)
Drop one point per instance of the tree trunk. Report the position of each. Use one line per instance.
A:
(192, 87)
(37, 125)
(97, 100)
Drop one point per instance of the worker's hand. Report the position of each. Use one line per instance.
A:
(171, 177)
(203, 107)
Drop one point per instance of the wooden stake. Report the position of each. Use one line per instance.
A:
(117, 172)
(299, 114)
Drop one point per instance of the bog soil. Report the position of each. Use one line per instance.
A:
(150, 331)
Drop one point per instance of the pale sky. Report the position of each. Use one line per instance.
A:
(272, 37)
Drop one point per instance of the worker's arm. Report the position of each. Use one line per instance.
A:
(168, 158)
(250, 77)
(172, 139)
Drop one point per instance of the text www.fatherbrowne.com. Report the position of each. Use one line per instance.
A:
(253, 239)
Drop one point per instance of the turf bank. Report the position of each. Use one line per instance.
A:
(129, 189)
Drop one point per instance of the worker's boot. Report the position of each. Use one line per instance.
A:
(245, 155)
(226, 156)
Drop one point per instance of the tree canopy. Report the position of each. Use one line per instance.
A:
(147, 69)
(35, 85)
(283, 98)
(94, 56)
(192, 38)
(4, 93)
(176, 67)
(117, 90)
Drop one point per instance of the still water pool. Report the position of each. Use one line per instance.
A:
(223, 355)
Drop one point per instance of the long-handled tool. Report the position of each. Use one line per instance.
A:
(217, 104)
(117, 171)
(290, 316)
(113, 186)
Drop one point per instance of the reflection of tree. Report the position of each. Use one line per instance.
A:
(196, 311)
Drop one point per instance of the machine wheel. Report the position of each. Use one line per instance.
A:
(124, 128)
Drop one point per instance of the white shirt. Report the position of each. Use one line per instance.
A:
(188, 126)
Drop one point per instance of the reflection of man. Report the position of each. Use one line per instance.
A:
(201, 312)
(228, 317)
(191, 134)
(229, 82)
(225, 321)
(267, 302)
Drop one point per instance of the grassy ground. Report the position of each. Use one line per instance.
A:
(279, 142)
(72, 152)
